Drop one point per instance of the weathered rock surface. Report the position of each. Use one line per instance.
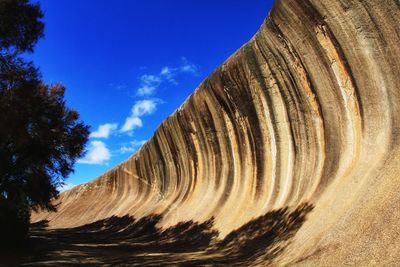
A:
(306, 111)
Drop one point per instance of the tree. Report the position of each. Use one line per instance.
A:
(20, 25)
(40, 137)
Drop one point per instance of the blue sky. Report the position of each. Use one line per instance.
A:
(127, 65)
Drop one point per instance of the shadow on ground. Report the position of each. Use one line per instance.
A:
(124, 241)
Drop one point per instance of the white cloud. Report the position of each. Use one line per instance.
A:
(140, 108)
(131, 146)
(65, 187)
(97, 153)
(188, 67)
(131, 123)
(104, 130)
(168, 73)
(150, 79)
(150, 83)
(146, 90)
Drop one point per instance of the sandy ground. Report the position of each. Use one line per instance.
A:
(124, 241)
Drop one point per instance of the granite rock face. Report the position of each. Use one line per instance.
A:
(306, 111)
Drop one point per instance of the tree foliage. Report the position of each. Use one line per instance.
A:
(20, 25)
(40, 137)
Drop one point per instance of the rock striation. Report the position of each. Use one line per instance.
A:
(306, 111)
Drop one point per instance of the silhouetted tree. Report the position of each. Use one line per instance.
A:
(40, 137)
(20, 25)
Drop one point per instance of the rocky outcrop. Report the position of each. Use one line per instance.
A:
(306, 111)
